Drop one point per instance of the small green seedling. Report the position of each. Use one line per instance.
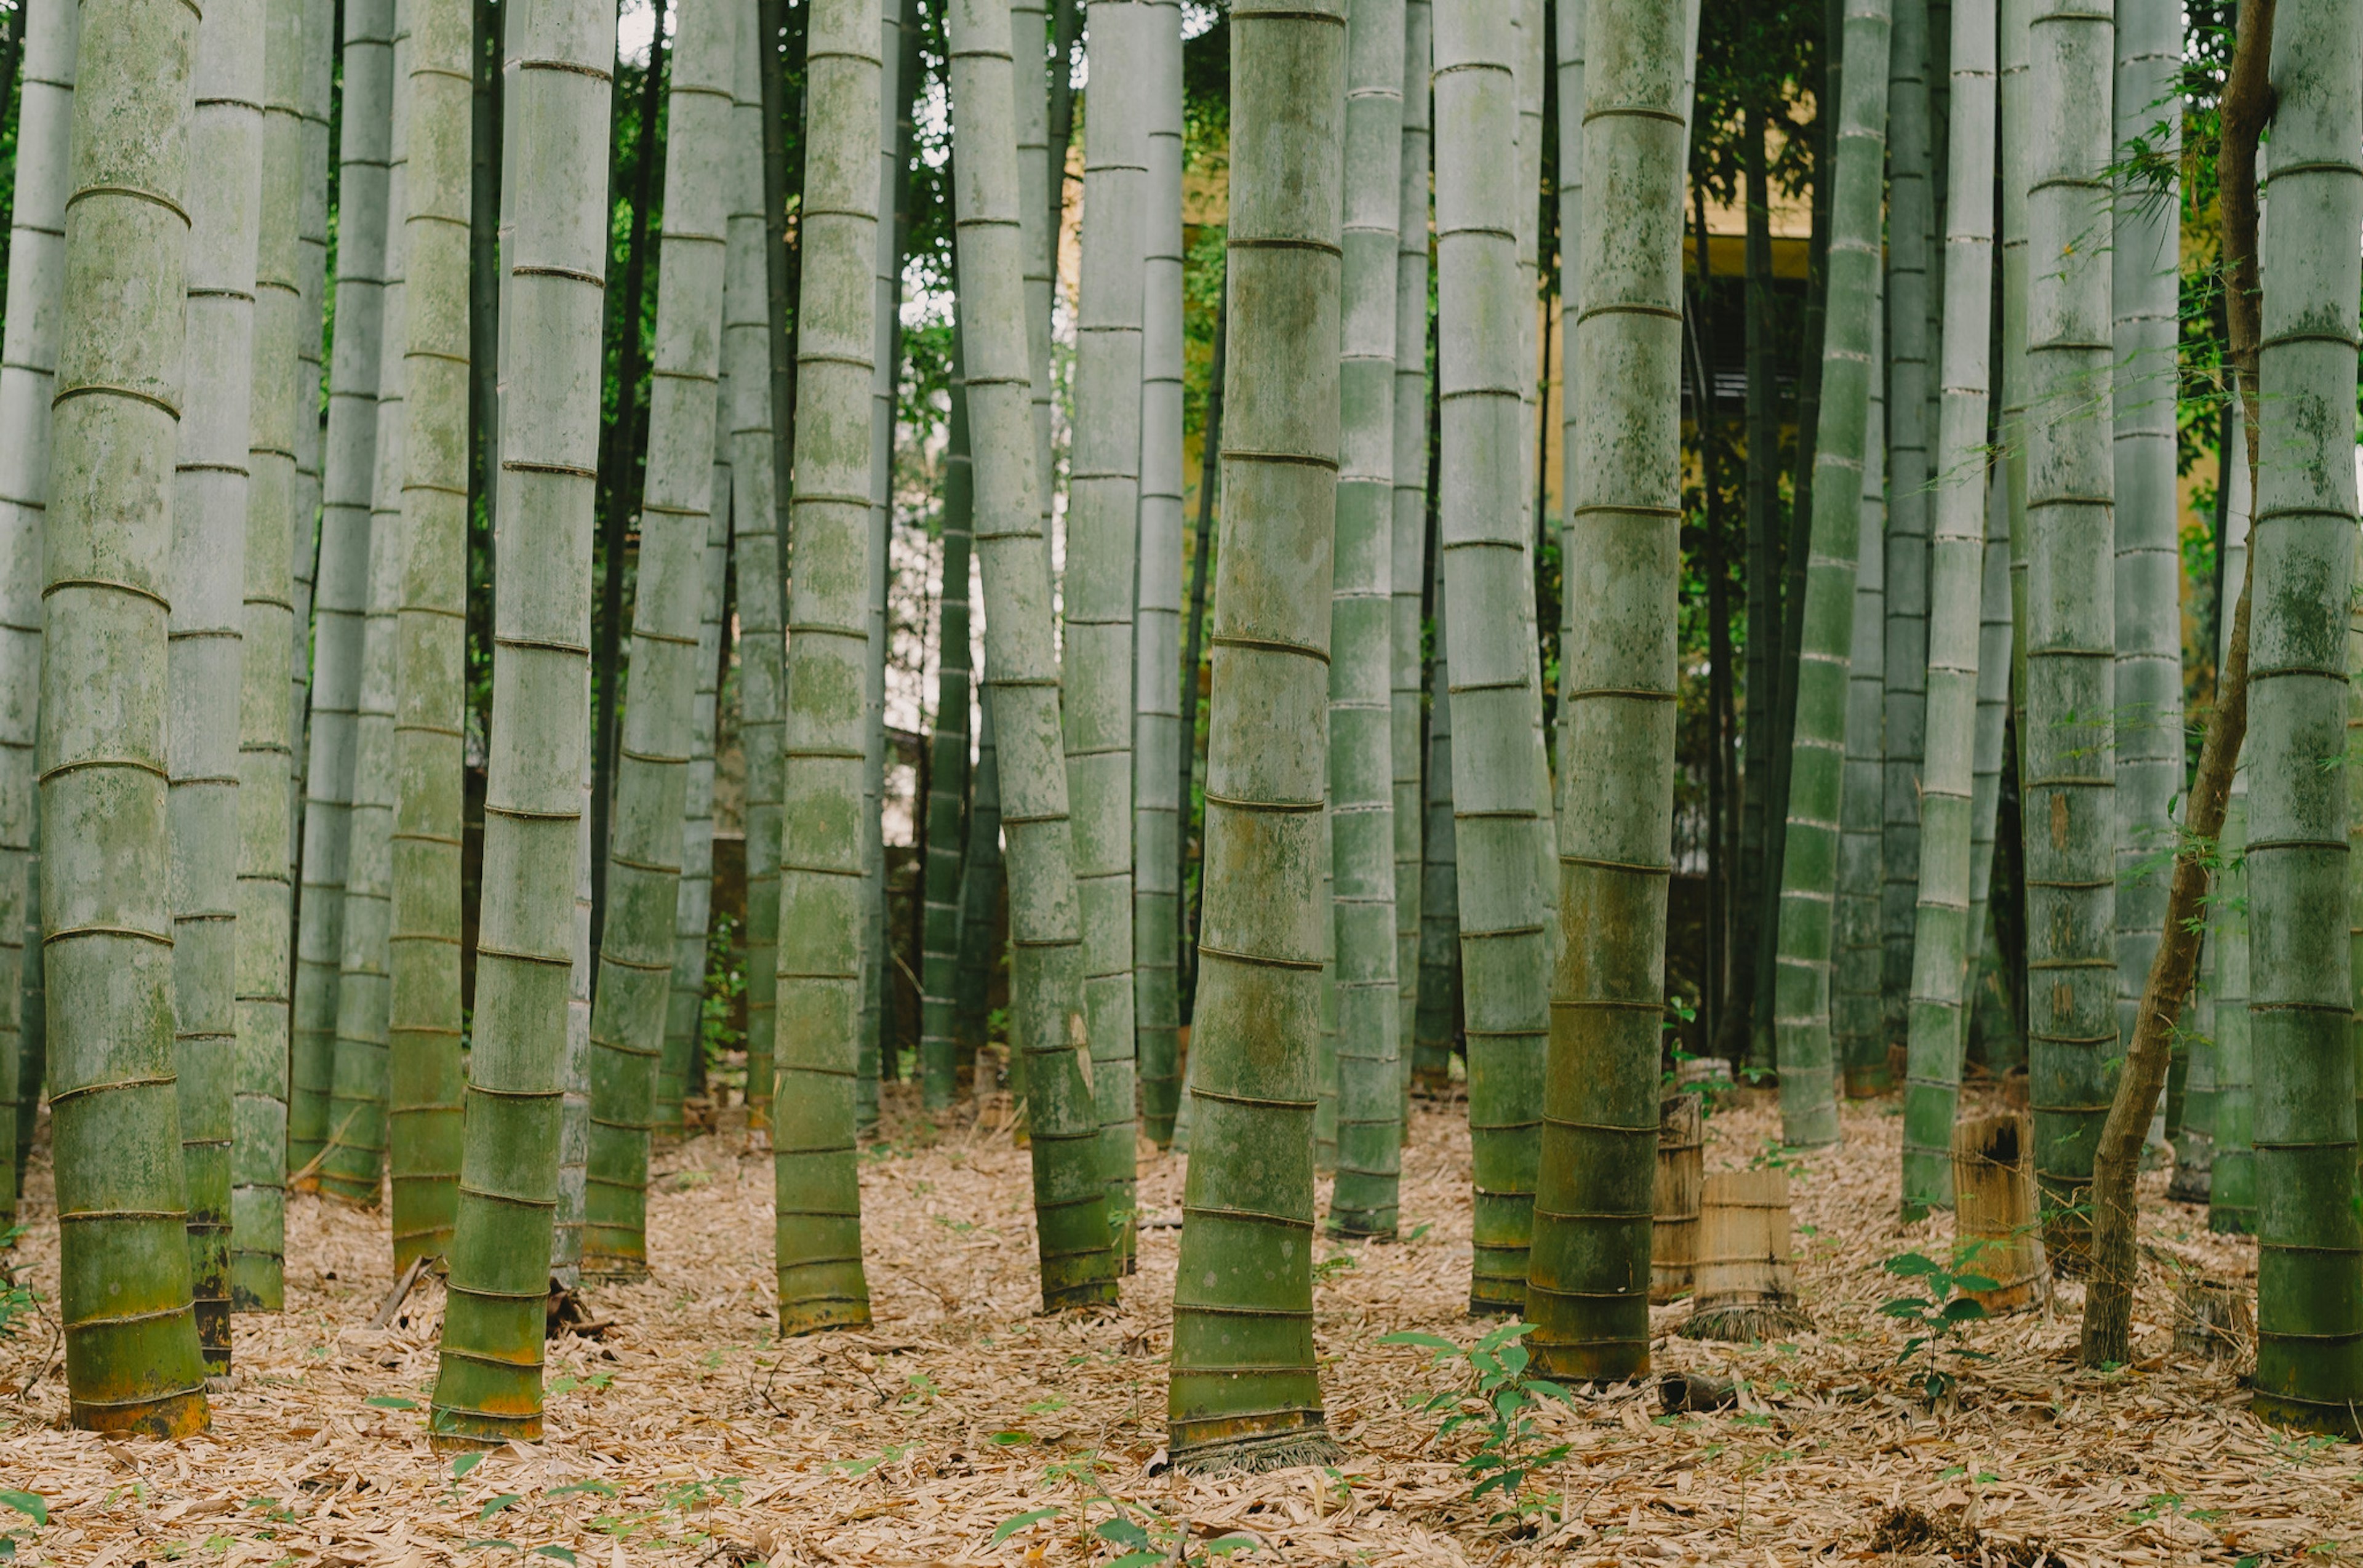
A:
(1939, 1314)
(1498, 1396)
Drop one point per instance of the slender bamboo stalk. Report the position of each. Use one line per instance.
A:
(1437, 1023)
(2013, 85)
(488, 1386)
(1078, 1263)
(257, 1170)
(2309, 1234)
(1157, 617)
(822, 874)
(575, 1063)
(27, 375)
(352, 1168)
(206, 628)
(424, 1131)
(1855, 1035)
(1245, 1391)
(33, 1026)
(2000, 1053)
(694, 899)
(364, 147)
(1504, 949)
(315, 99)
(2069, 815)
(980, 893)
(132, 1359)
(1809, 854)
(2231, 1178)
(1041, 196)
(939, 1042)
(781, 40)
(1589, 1292)
(644, 859)
(1941, 940)
(1407, 546)
(1201, 552)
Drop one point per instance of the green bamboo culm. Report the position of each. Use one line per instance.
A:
(2002, 1047)
(981, 894)
(1910, 351)
(132, 1359)
(2232, 1176)
(755, 543)
(1078, 1260)
(488, 1385)
(1588, 1294)
(694, 897)
(1361, 610)
(1437, 1023)
(313, 102)
(1856, 1037)
(1246, 1393)
(1567, 47)
(1157, 803)
(27, 368)
(2013, 88)
(208, 570)
(33, 1015)
(258, 1154)
(575, 1070)
(644, 858)
(1504, 952)
(939, 1051)
(353, 1167)
(2308, 1223)
(424, 1090)
(1809, 862)
(2069, 794)
(823, 913)
(1407, 546)
(1942, 939)
(364, 149)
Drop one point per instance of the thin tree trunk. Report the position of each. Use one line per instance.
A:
(132, 1359)
(2071, 812)
(1808, 1111)
(620, 443)
(1505, 952)
(364, 143)
(1854, 1036)
(1078, 1261)
(693, 896)
(257, 1171)
(488, 1385)
(636, 942)
(1589, 1292)
(1210, 445)
(1911, 356)
(1361, 817)
(1942, 942)
(1407, 546)
(424, 1111)
(206, 628)
(27, 375)
(1246, 1392)
(2231, 1178)
(939, 1042)
(352, 1168)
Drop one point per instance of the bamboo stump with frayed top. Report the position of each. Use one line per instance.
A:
(1745, 1275)
(1994, 1219)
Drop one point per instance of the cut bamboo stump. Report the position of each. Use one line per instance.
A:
(1745, 1276)
(1682, 1165)
(1995, 1226)
(2211, 1320)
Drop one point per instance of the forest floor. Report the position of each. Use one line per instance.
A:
(685, 1434)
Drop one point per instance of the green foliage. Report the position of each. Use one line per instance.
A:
(1494, 1393)
(1939, 1314)
(719, 1034)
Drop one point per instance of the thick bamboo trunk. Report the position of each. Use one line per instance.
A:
(1157, 617)
(2232, 1176)
(488, 1387)
(1506, 952)
(823, 922)
(2309, 1234)
(1407, 546)
(940, 1046)
(206, 629)
(257, 1170)
(341, 596)
(694, 897)
(1587, 1293)
(132, 1360)
(1911, 359)
(644, 859)
(1246, 1392)
(1078, 1261)
(1095, 671)
(424, 1114)
(1942, 942)
(28, 374)
(352, 1165)
(2069, 798)
(1857, 1040)
(1809, 860)
(1361, 815)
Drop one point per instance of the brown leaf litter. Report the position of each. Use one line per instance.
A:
(686, 1435)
